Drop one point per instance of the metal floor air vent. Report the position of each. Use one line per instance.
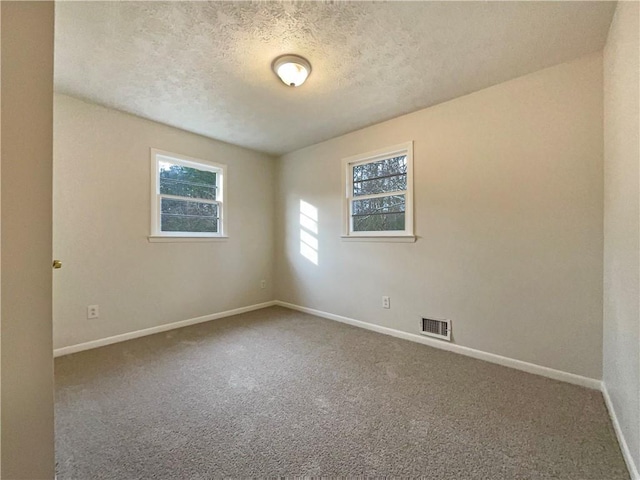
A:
(437, 328)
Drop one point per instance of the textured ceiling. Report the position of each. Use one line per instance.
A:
(205, 66)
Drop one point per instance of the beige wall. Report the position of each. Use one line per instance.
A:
(101, 224)
(508, 211)
(27, 363)
(622, 221)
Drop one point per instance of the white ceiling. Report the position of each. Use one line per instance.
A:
(205, 66)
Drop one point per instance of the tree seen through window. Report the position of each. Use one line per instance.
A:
(187, 214)
(380, 212)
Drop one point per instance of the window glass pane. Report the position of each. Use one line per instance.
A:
(188, 216)
(388, 175)
(379, 214)
(187, 182)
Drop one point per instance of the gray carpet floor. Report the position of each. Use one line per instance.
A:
(280, 393)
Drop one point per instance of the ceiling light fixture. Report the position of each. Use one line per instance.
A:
(293, 70)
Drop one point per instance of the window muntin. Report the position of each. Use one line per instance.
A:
(186, 216)
(383, 176)
(379, 196)
(187, 196)
(182, 181)
(379, 214)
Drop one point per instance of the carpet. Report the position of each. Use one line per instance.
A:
(277, 392)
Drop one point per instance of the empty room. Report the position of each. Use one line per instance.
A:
(320, 239)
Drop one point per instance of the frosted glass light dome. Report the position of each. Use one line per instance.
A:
(293, 70)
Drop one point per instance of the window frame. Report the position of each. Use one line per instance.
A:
(220, 169)
(348, 198)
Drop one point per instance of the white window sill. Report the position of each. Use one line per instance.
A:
(170, 239)
(380, 238)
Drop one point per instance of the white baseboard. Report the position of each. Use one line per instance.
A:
(452, 347)
(58, 352)
(470, 352)
(624, 446)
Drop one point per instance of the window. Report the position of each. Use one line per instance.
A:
(379, 193)
(187, 196)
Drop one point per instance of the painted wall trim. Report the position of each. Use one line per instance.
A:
(59, 352)
(452, 347)
(624, 446)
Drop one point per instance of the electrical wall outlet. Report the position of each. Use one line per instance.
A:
(263, 284)
(93, 311)
(386, 302)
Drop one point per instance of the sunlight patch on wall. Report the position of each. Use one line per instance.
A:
(308, 232)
